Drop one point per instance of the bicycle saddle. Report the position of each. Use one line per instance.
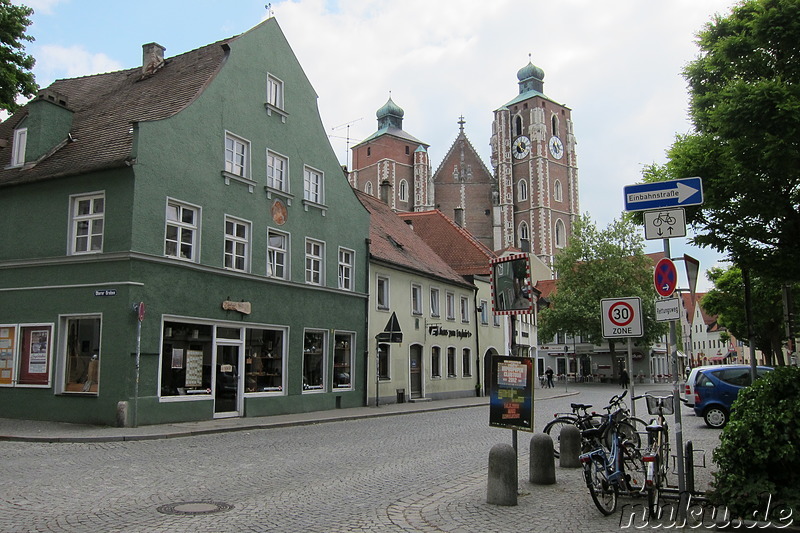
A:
(576, 406)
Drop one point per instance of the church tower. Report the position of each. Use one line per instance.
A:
(392, 165)
(535, 164)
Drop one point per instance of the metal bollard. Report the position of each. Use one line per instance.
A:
(502, 485)
(542, 461)
(570, 446)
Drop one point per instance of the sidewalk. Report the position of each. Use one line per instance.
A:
(44, 431)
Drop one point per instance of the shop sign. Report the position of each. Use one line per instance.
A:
(243, 307)
(438, 331)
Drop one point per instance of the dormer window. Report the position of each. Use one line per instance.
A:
(18, 153)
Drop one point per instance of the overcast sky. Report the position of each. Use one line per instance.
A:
(617, 64)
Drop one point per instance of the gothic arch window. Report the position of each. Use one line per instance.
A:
(368, 188)
(524, 237)
(522, 190)
(518, 126)
(403, 191)
(561, 234)
(554, 124)
(558, 195)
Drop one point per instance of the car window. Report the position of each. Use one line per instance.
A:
(735, 376)
(703, 381)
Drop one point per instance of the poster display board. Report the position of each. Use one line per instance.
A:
(35, 348)
(7, 343)
(511, 402)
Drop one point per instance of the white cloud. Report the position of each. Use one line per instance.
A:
(67, 62)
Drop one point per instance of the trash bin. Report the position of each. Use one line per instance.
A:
(401, 396)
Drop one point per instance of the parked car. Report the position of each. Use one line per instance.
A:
(716, 388)
(688, 388)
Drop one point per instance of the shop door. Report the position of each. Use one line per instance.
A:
(415, 367)
(228, 400)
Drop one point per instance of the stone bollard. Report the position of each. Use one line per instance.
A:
(122, 414)
(502, 486)
(570, 442)
(542, 460)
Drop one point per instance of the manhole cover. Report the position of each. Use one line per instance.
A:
(193, 508)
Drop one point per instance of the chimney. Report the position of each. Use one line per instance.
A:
(458, 216)
(152, 58)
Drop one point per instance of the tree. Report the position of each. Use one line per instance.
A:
(16, 78)
(726, 301)
(745, 107)
(596, 265)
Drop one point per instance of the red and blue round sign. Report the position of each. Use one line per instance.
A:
(665, 277)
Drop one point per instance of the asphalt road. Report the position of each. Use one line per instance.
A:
(413, 472)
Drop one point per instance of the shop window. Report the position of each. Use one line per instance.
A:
(314, 351)
(383, 361)
(82, 364)
(25, 355)
(264, 359)
(186, 356)
(343, 360)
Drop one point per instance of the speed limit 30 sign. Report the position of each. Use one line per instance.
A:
(622, 317)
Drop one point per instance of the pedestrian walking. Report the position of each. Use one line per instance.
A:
(549, 374)
(624, 378)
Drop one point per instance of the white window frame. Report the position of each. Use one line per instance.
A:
(416, 299)
(313, 185)
(90, 218)
(560, 234)
(274, 252)
(315, 262)
(277, 174)
(382, 292)
(237, 147)
(368, 188)
(403, 190)
(558, 194)
(20, 145)
(435, 301)
(275, 92)
(464, 305)
(484, 313)
(522, 190)
(450, 304)
(233, 240)
(194, 228)
(346, 268)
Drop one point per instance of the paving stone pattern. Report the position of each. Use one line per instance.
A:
(421, 471)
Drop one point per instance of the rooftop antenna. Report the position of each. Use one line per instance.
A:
(347, 142)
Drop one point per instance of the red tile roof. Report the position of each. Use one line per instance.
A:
(394, 242)
(454, 244)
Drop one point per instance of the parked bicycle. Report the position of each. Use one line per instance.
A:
(605, 469)
(657, 454)
(580, 417)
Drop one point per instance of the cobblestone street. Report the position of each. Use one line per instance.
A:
(420, 471)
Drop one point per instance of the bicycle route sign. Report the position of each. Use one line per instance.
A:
(665, 277)
(663, 194)
(622, 317)
(664, 224)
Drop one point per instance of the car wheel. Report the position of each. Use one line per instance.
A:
(716, 417)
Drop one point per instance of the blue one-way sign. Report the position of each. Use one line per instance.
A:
(672, 193)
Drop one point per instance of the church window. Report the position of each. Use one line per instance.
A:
(524, 237)
(369, 150)
(561, 234)
(554, 124)
(522, 191)
(403, 191)
(408, 151)
(368, 188)
(557, 192)
(518, 126)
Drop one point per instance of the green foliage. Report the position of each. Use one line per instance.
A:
(758, 454)
(594, 265)
(16, 77)
(745, 105)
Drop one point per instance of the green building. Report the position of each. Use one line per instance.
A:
(178, 242)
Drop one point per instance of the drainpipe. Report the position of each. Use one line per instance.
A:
(477, 343)
(367, 340)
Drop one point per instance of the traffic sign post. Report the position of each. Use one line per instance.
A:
(663, 194)
(622, 317)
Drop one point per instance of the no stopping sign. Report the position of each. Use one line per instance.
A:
(622, 317)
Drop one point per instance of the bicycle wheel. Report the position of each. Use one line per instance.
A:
(604, 494)
(654, 491)
(553, 428)
(635, 472)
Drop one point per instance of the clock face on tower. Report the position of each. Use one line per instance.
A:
(556, 147)
(521, 147)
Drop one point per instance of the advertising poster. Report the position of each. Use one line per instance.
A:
(511, 402)
(34, 363)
